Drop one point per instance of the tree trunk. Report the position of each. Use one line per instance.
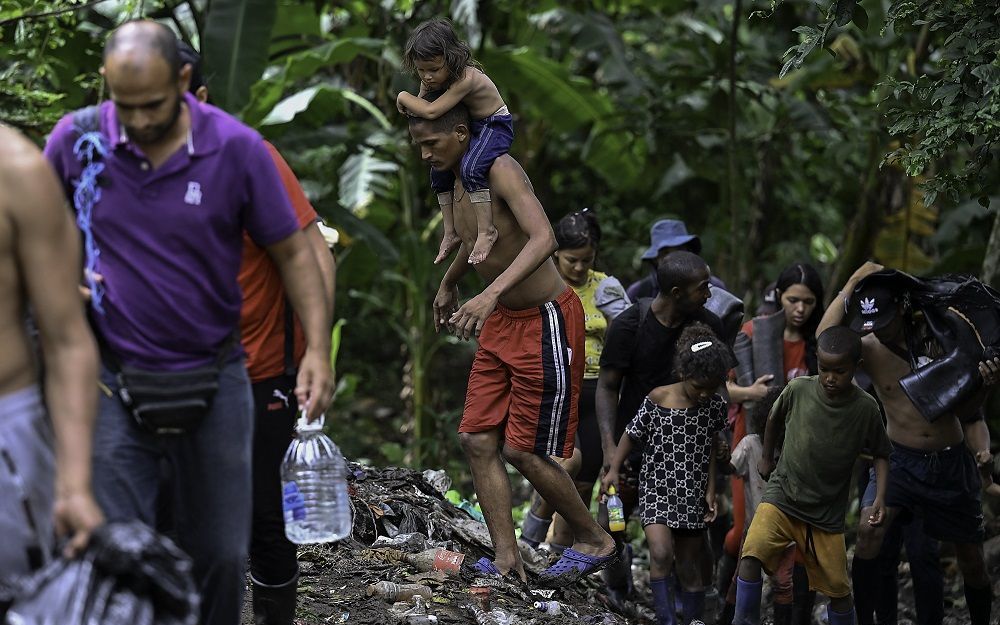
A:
(990, 273)
(863, 229)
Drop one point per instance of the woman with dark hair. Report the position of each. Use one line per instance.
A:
(772, 350)
(578, 236)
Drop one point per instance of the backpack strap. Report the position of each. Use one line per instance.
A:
(644, 304)
(89, 149)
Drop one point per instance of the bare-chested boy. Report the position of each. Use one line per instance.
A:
(521, 404)
(933, 471)
(43, 491)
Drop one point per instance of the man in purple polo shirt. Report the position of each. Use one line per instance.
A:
(181, 181)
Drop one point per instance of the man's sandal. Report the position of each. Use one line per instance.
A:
(573, 565)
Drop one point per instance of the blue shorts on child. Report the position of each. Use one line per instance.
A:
(491, 138)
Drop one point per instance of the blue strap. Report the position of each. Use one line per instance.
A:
(89, 149)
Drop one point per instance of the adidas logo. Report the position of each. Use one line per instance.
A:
(868, 306)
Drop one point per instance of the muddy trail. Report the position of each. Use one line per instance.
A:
(401, 516)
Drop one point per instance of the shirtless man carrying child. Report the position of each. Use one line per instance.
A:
(525, 381)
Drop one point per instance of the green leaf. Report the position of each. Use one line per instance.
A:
(822, 248)
(361, 176)
(844, 11)
(266, 93)
(234, 47)
(988, 73)
(946, 93)
(318, 104)
(861, 18)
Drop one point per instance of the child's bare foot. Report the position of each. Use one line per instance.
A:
(484, 243)
(449, 243)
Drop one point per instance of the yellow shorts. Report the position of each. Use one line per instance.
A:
(825, 554)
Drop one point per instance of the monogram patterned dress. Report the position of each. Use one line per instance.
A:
(677, 447)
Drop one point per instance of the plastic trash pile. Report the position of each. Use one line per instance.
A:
(409, 561)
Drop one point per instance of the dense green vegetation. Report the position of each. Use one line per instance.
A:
(831, 132)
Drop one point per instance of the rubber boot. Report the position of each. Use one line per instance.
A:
(782, 614)
(980, 602)
(748, 602)
(727, 614)
(618, 577)
(803, 599)
(274, 605)
(692, 605)
(534, 529)
(839, 618)
(663, 600)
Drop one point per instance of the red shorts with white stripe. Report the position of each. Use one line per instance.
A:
(527, 374)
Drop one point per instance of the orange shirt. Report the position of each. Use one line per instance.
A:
(262, 319)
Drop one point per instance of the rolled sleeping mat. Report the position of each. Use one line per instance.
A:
(769, 347)
(729, 309)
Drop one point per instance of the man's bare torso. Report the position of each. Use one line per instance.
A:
(17, 363)
(542, 285)
(905, 424)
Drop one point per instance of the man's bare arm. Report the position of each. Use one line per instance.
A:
(48, 256)
(609, 383)
(327, 264)
(511, 184)
(446, 300)
(302, 280)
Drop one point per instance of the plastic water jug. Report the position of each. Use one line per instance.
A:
(314, 494)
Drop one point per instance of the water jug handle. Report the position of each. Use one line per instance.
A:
(303, 422)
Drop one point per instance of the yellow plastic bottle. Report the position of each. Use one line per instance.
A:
(616, 511)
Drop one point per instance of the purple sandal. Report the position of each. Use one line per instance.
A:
(486, 567)
(573, 565)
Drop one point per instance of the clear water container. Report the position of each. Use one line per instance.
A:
(314, 494)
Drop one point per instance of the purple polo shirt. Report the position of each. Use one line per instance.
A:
(170, 239)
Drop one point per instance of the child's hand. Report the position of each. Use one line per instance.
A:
(877, 514)
(711, 509)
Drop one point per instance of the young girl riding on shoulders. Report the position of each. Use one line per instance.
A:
(444, 63)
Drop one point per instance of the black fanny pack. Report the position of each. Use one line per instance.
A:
(171, 402)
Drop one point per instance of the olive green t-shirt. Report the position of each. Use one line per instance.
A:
(823, 438)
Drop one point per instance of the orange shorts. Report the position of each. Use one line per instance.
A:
(527, 374)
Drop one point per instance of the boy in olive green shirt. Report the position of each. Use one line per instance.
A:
(828, 422)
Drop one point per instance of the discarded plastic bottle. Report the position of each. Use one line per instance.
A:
(616, 511)
(482, 616)
(549, 607)
(315, 501)
(437, 560)
(392, 592)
